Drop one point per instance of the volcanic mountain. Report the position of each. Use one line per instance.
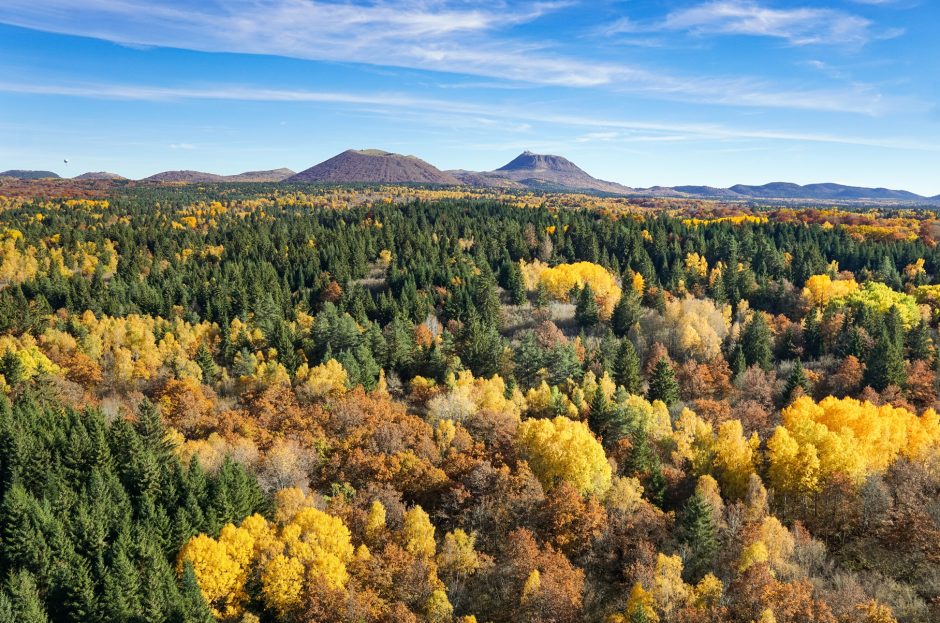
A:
(274, 175)
(199, 177)
(29, 175)
(100, 175)
(184, 177)
(376, 167)
(541, 171)
(784, 190)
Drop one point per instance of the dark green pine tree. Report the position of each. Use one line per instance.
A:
(121, 593)
(152, 432)
(206, 363)
(586, 311)
(529, 358)
(514, 283)
(192, 606)
(662, 383)
(756, 342)
(283, 342)
(541, 299)
(626, 313)
(919, 342)
(698, 531)
(627, 368)
(72, 594)
(812, 336)
(738, 362)
(885, 365)
(645, 464)
(599, 415)
(563, 364)
(11, 368)
(480, 347)
(797, 379)
(23, 598)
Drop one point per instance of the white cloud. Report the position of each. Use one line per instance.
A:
(523, 117)
(798, 26)
(438, 35)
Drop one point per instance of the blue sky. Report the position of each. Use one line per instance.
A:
(642, 92)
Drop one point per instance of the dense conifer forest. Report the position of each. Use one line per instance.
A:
(262, 403)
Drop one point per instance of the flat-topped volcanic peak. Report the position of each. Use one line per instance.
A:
(376, 167)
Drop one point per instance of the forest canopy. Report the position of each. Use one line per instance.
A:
(250, 403)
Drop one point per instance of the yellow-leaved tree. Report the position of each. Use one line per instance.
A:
(561, 449)
(845, 437)
(306, 547)
(559, 280)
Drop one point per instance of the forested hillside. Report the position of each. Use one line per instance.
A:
(259, 403)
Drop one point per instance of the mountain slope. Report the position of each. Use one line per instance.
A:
(99, 175)
(185, 177)
(274, 175)
(376, 167)
(29, 175)
(784, 190)
(545, 172)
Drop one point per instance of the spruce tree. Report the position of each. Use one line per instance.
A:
(192, 606)
(797, 379)
(627, 368)
(756, 342)
(514, 283)
(885, 365)
(662, 383)
(586, 311)
(699, 533)
(919, 343)
(812, 336)
(626, 313)
(11, 368)
(24, 598)
(206, 363)
(541, 299)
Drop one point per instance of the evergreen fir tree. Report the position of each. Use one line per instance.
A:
(699, 533)
(919, 342)
(514, 283)
(24, 598)
(885, 365)
(11, 368)
(756, 342)
(626, 313)
(797, 379)
(662, 383)
(541, 299)
(586, 311)
(627, 368)
(206, 363)
(738, 362)
(192, 606)
(812, 336)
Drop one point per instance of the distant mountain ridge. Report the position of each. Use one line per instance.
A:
(541, 172)
(23, 174)
(99, 175)
(272, 175)
(200, 177)
(784, 190)
(527, 171)
(376, 167)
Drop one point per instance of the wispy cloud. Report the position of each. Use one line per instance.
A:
(798, 26)
(523, 117)
(445, 36)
